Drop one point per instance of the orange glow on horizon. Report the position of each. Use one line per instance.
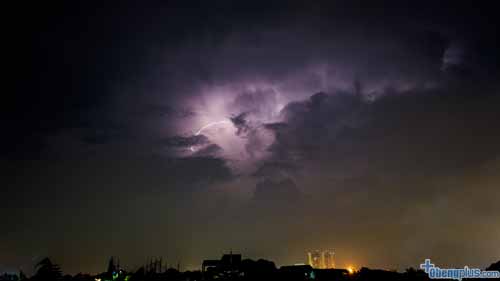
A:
(350, 269)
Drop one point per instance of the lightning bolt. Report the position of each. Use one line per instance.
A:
(208, 126)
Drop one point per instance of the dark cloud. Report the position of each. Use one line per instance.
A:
(180, 141)
(261, 102)
(101, 136)
(410, 148)
(433, 129)
(164, 111)
(254, 107)
(275, 170)
(241, 123)
(206, 169)
(209, 150)
(399, 143)
(284, 191)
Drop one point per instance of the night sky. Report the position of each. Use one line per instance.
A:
(184, 129)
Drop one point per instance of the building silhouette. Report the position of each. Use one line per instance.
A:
(228, 266)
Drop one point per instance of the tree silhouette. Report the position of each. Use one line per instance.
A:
(47, 271)
(111, 265)
(494, 266)
(22, 276)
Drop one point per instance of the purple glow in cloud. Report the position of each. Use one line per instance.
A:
(215, 109)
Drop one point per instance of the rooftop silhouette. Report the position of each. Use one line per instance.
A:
(229, 267)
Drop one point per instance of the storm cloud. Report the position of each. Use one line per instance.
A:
(276, 127)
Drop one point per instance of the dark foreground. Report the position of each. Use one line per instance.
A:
(244, 270)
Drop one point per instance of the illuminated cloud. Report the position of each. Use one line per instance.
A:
(182, 125)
